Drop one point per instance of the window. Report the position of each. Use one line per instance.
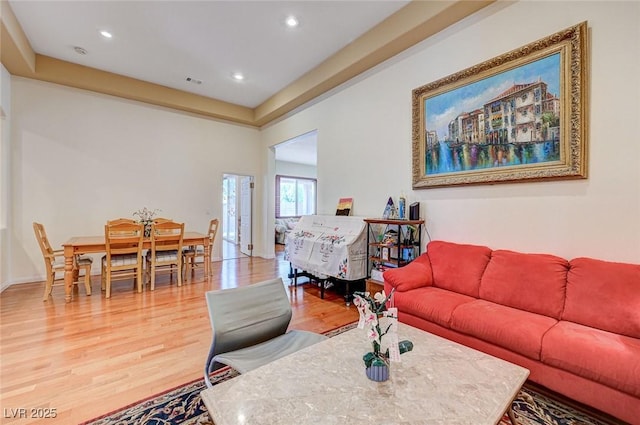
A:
(295, 196)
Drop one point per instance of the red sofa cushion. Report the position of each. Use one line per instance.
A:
(516, 330)
(604, 295)
(413, 275)
(432, 304)
(530, 282)
(604, 357)
(458, 267)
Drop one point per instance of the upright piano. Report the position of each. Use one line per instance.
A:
(329, 249)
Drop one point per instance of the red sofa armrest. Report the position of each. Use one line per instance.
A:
(414, 275)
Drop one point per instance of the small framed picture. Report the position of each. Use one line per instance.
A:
(385, 253)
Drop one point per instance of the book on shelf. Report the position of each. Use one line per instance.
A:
(378, 269)
(376, 274)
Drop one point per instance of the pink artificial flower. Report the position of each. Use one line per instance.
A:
(373, 333)
(371, 319)
(380, 297)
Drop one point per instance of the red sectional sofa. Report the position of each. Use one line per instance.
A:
(574, 324)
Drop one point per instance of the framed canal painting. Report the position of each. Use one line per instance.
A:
(514, 118)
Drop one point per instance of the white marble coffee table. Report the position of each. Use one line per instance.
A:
(439, 382)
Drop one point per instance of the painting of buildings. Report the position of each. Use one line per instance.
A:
(509, 119)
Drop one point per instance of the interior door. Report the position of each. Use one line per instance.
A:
(246, 229)
(229, 210)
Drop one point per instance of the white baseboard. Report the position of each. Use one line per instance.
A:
(21, 281)
(4, 285)
(33, 279)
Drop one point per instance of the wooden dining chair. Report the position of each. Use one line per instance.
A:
(165, 253)
(54, 263)
(190, 253)
(123, 260)
(121, 220)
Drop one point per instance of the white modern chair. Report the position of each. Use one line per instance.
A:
(249, 326)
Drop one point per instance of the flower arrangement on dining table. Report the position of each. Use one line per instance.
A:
(145, 216)
(381, 323)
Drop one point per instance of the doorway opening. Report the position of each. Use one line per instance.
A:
(237, 229)
(295, 178)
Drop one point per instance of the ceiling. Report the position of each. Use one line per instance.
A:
(167, 42)
(302, 149)
(158, 44)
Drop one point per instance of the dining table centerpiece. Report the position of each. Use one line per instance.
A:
(145, 216)
(381, 324)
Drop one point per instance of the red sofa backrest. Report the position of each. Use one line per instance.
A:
(604, 295)
(600, 294)
(458, 267)
(531, 282)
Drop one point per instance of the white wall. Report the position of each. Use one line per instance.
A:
(5, 173)
(286, 168)
(81, 158)
(364, 138)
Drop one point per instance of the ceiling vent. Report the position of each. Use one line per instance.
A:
(194, 80)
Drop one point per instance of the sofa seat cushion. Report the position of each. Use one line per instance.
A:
(531, 282)
(433, 304)
(516, 330)
(458, 267)
(608, 358)
(604, 295)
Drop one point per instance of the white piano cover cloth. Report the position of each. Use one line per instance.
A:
(334, 246)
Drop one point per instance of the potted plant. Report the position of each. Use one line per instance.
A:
(379, 321)
(145, 216)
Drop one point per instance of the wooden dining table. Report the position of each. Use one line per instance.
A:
(78, 245)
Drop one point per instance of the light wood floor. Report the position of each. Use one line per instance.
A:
(94, 355)
(231, 250)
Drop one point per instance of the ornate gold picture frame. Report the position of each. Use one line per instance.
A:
(515, 118)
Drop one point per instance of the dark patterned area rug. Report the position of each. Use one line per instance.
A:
(538, 406)
(182, 405)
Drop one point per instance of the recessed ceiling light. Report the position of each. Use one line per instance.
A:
(106, 34)
(291, 21)
(238, 76)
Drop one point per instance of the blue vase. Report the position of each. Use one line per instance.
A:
(378, 373)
